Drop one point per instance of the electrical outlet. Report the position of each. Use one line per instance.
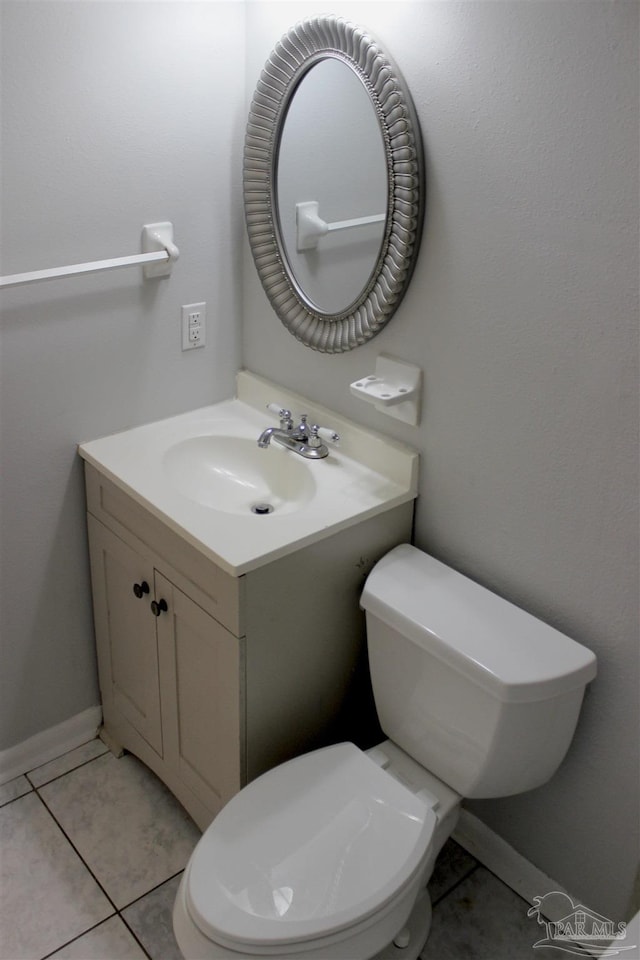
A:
(193, 325)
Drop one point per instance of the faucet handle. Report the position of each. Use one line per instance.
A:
(280, 410)
(318, 434)
(286, 423)
(327, 433)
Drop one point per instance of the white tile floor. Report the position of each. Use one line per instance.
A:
(92, 852)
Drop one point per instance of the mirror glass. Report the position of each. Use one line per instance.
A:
(332, 153)
(333, 181)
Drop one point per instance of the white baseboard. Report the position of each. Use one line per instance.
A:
(49, 744)
(500, 858)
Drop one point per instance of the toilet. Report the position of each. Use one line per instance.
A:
(328, 856)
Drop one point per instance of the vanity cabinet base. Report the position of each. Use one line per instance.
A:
(212, 679)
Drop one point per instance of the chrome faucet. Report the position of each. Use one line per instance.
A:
(305, 440)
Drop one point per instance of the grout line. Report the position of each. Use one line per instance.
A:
(73, 846)
(461, 879)
(117, 912)
(59, 776)
(137, 900)
(6, 803)
(152, 889)
(135, 937)
(73, 939)
(95, 927)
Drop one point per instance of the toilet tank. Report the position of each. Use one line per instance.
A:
(482, 694)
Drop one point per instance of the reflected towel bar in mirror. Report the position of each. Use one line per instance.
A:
(310, 226)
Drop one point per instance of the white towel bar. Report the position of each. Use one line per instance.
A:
(158, 249)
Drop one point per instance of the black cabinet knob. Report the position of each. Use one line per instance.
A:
(158, 607)
(140, 589)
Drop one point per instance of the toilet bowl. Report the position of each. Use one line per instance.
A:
(328, 855)
(331, 868)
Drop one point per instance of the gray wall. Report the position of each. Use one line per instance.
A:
(112, 118)
(523, 315)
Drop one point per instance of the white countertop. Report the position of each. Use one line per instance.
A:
(364, 475)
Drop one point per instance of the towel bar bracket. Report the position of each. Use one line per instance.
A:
(159, 237)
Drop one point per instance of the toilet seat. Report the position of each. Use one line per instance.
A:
(308, 849)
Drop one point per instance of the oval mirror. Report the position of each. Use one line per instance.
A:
(333, 184)
(331, 271)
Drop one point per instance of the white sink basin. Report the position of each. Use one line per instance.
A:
(234, 475)
(202, 472)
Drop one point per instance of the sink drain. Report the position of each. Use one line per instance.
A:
(262, 508)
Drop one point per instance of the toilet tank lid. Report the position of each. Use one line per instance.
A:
(508, 652)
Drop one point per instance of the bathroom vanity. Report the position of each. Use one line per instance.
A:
(229, 641)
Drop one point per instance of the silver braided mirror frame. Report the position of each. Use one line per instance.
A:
(304, 45)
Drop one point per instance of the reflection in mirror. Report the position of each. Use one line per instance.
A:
(332, 152)
(332, 137)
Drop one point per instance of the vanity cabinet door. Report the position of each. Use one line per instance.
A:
(202, 701)
(126, 633)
